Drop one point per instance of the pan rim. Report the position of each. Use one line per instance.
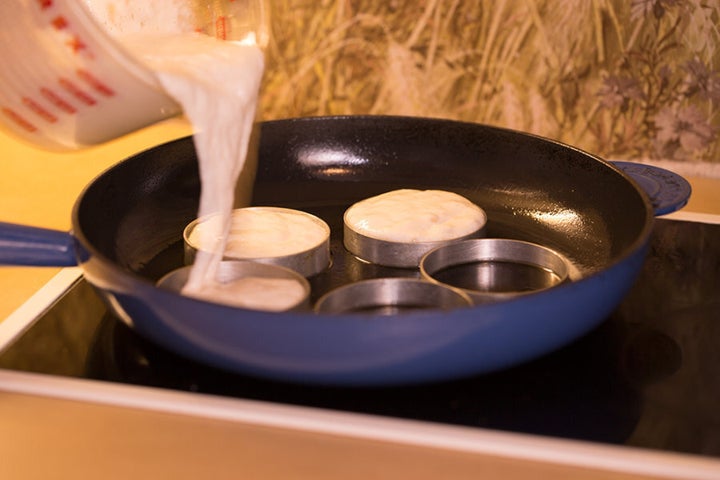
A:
(629, 251)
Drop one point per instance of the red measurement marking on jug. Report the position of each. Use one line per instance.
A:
(39, 110)
(76, 44)
(19, 120)
(56, 100)
(96, 84)
(221, 28)
(76, 92)
(59, 23)
(45, 4)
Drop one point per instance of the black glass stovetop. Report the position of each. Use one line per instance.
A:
(649, 376)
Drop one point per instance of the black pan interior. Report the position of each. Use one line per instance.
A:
(532, 189)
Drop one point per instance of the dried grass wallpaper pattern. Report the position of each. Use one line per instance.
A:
(631, 78)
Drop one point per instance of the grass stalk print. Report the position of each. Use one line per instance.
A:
(619, 78)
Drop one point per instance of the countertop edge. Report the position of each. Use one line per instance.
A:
(515, 446)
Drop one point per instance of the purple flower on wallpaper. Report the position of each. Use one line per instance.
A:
(618, 90)
(702, 80)
(686, 126)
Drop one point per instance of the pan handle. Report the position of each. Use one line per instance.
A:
(667, 190)
(34, 246)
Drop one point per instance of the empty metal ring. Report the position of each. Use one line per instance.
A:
(390, 296)
(494, 269)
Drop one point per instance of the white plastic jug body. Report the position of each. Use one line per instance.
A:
(67, 82)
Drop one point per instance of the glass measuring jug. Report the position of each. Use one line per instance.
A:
(68, 83)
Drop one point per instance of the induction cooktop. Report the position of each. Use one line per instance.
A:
(648, 377)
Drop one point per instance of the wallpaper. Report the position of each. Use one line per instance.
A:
(622, 79)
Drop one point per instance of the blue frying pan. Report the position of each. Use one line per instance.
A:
(127, 228)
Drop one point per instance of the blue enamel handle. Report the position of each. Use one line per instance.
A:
(33, 246)
(668, 191)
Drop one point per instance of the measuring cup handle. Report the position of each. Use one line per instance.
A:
(668, 191)
(33, 246)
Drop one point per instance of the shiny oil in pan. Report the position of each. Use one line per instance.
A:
(498, 276)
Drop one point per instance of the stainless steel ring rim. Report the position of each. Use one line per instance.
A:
(308, 262)
(389, 296)
(235, 269)
(394, 254)
(495, 250)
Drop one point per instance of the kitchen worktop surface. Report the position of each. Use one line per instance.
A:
(45, 437)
